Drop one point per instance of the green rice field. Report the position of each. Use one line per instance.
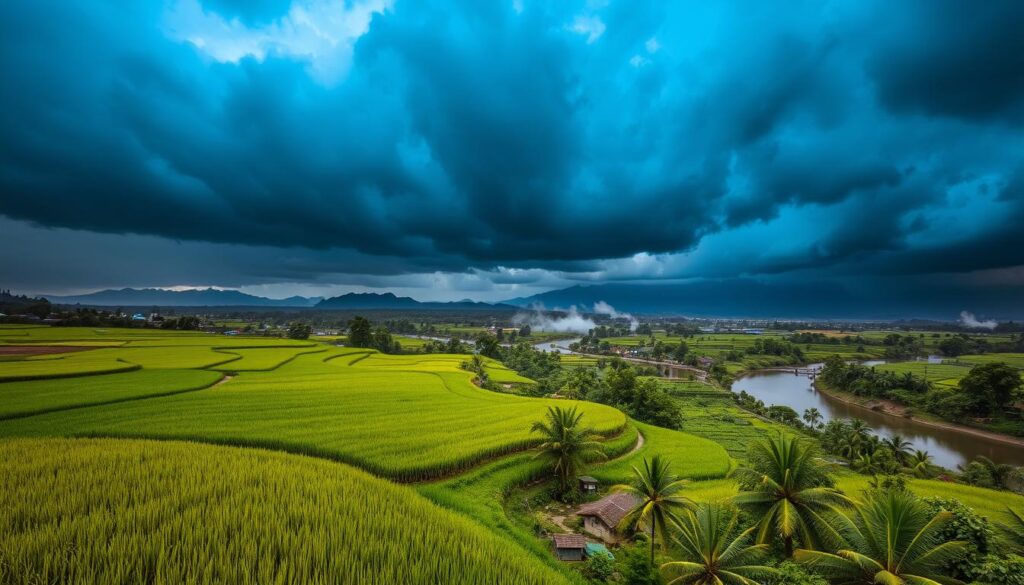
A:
(189, 513)
(946, 375)
(263, 459)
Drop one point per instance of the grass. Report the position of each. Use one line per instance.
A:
(1014, 359)
(190, 513)
(63, 366)
(989, 503)
(39, 396)
(947, 375)
(481, 494)
(721, 421)
(264, 358)
(404, 417)
(691, 456)
(577, 361)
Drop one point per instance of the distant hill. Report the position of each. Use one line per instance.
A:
(210, 297)
(391, 302)
(749, 298)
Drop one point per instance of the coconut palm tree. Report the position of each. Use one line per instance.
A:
(998, 471)
(900, 448)
(710, 555)
(566, 444)
(920, 464)
(659, 502)
(891, 539)
(813, 418)
(787, 489)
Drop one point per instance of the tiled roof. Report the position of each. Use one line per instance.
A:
(610, 509)
(569, 541)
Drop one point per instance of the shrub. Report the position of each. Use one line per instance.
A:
(968, 526)
(794, 574)
(600, 567)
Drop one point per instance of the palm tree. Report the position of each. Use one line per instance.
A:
(787, 487)
(657, 491)
(998, 471)
(900, 448)
(813, 417)
(920, 463)
(709, 554)
(566, 444)
(892, 539)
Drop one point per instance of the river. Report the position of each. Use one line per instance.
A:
(947, 448)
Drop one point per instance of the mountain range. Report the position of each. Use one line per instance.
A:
(738, 298)
(750, 298)
(209, 297)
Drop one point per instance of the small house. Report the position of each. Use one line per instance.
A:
(601, 518)
(569, 547)
(588, 485)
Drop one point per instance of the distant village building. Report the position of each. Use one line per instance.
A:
(601, 518)
(588, 485)
(138, 317)
(705, 362)
(569, 547)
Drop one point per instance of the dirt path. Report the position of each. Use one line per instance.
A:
(226, 378)
(639, 442)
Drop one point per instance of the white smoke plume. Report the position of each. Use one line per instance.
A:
(572, 322)
(967, 320)
(603, 308)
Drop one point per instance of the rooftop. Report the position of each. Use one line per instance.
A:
(610, 509)
(569, 541)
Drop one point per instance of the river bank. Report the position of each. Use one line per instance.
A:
(899, 410)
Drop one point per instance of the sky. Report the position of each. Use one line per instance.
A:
(490, 150)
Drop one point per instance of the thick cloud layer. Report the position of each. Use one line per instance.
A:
(584, 140)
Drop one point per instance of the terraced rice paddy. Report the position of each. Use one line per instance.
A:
(945, 375)
(691, 456)
(191, 513)
(360, 414)
(222, 508)
(39, 396)
(576, 361)
(719, 420)
(1014, 359)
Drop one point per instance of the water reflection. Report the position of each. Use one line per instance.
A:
(947, 448)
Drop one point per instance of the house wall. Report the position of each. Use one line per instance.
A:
(595, 526)
(569, 554)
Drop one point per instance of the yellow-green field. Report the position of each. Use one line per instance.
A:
(947, 375)
(115, 511)
(257, 459)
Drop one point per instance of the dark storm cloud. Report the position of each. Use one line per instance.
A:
(963, 60)
(442, 136)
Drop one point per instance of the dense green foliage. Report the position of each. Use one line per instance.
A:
(660, 503)
(891, 538)
(787, 489)
(711, 552)
(565, 444)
